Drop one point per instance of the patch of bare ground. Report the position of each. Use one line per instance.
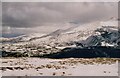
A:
(93, 61)
(49, 66)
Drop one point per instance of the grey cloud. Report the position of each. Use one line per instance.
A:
(31, 14)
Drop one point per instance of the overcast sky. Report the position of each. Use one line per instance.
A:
(31, 15)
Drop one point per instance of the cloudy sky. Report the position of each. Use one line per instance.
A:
(28, 17)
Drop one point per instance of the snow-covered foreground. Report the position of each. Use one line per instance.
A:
(59, 67)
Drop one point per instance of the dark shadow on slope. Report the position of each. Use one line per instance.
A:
(88, 52)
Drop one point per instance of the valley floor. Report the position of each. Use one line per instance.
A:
(59, 67)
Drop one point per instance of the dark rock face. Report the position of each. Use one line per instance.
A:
(109, 36)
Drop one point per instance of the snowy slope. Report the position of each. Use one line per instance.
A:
(76, 33)
(29, 36)
(21, 38)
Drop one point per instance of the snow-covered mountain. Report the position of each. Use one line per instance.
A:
(84, 34)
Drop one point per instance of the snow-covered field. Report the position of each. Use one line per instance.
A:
(59, 67)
